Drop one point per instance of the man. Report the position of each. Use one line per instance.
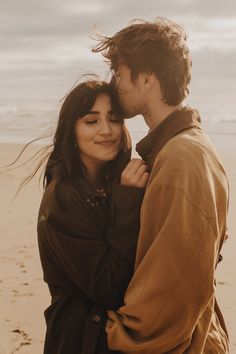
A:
(170, 304)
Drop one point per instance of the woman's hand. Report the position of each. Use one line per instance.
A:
(135, 174)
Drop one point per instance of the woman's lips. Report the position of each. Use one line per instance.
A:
(106, 142)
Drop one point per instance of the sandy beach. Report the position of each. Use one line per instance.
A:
(24, 295)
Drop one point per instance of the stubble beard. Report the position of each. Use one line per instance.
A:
(129, 108)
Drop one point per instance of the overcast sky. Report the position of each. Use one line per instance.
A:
(45, 45)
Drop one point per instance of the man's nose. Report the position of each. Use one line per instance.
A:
(114, 82)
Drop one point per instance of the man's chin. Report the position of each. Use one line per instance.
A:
(128, 115)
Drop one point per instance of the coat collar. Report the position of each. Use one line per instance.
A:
(175, 123)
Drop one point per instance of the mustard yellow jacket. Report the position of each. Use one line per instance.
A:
(170, 304)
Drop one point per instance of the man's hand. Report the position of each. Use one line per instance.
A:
(135, 174)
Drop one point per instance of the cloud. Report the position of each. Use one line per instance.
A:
(47, 38)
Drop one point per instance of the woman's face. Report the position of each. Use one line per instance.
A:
(98, 134)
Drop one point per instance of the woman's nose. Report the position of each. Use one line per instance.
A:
(105, 128)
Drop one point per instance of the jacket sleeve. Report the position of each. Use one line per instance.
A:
(173, 281)
(99, 268)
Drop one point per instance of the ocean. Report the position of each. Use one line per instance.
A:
(21, 121)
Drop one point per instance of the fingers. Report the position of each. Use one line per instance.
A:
(134, 169)
(135, 174)
(134, 165)
(141, 170)
(143, 180)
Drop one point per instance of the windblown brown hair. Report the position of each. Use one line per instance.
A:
(62, 157)
(153, 47)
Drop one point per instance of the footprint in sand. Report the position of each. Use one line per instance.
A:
(23, 337)
(221, 283)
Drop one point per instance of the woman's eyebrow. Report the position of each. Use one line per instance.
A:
(93, 112)
(97, 112)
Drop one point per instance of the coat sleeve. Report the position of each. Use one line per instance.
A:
(173, 281)
(99, 268)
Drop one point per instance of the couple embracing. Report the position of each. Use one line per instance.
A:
(129, 247)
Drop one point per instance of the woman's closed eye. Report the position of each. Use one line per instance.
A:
(94, 121)
(114, 119)
(91, 121)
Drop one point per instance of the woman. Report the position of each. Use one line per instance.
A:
(88, 220)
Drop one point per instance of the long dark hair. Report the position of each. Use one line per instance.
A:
(61, 157)
(64, 161)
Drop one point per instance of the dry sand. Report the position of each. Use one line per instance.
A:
(24, 295)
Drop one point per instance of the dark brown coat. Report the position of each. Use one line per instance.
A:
(87, 246)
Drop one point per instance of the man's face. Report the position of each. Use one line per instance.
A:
(129, 92)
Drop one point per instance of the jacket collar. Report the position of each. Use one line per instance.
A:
(175, 123)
